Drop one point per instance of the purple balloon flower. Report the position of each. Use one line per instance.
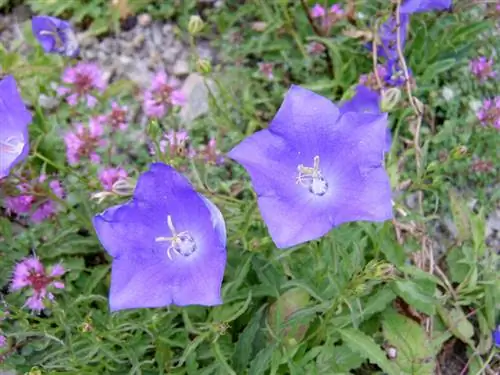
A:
(316, 168)
(167, 243)
(418, 6)
(366, 101)
(388, 38)
(14, 139)
(55, 35)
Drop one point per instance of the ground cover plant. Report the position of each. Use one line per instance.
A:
(324, 201)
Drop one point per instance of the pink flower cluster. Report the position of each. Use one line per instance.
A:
(482, 68)
(116, 119)
(3, 341)
(30, 273)
(327, 17)
(83, 142)
(176, 143)
(210, 154)
(109, 176)
(34, 199)
(489, 113)
(266, 69)
(81, 81)
(162, 95)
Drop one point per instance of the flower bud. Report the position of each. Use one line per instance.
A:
(203, 66)
(123, 187)
(459, 152)
(390, 98)
(195, 25)
(101, 196)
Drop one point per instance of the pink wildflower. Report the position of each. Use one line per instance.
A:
(3, 341)
(315, 48)
(211, 154)
(30, 273)
(317, 11)
(109, 176)
(482, 68)
(174, 143)
(327, 19)
(162, 95)
(267, 70)
(84, 141)
(117, 118)
(489, 113)
(34, 198)
(82, 79)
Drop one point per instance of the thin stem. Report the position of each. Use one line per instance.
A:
(320, 33)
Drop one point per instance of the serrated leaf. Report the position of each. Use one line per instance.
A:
(414, 351)
(262, 361)
(243, 349)
(457, 265)
(338, 359)
(366, 347)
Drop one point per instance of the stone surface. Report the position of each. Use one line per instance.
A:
(197, 95)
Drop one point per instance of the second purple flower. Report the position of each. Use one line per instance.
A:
(316, 168)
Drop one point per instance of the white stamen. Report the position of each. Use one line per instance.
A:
(182, 243)
(312, 178)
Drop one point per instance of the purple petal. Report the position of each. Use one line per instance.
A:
(365, 100)
(15, 117)
(417, 6)
(306, 119)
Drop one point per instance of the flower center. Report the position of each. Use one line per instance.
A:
(12, 145)
(312, 179)
(182, 243)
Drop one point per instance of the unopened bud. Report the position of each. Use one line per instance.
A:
(203, 66)
(459, 152)
(101, 196)
(195, 25)
(123, 187)
(390, 99)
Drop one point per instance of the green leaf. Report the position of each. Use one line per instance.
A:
(243, 349)
(457, 323)
(262, 361)
(366, 347)
(338, 359)
(416, 295)
(414, 351)
(457, 265)
(461, 215)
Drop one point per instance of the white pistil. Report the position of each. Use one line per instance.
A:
(181, 242)
(312, 178)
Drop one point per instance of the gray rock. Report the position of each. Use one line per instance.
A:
(197, 95)
(48, 102)
(156, 33)
(181, 67)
